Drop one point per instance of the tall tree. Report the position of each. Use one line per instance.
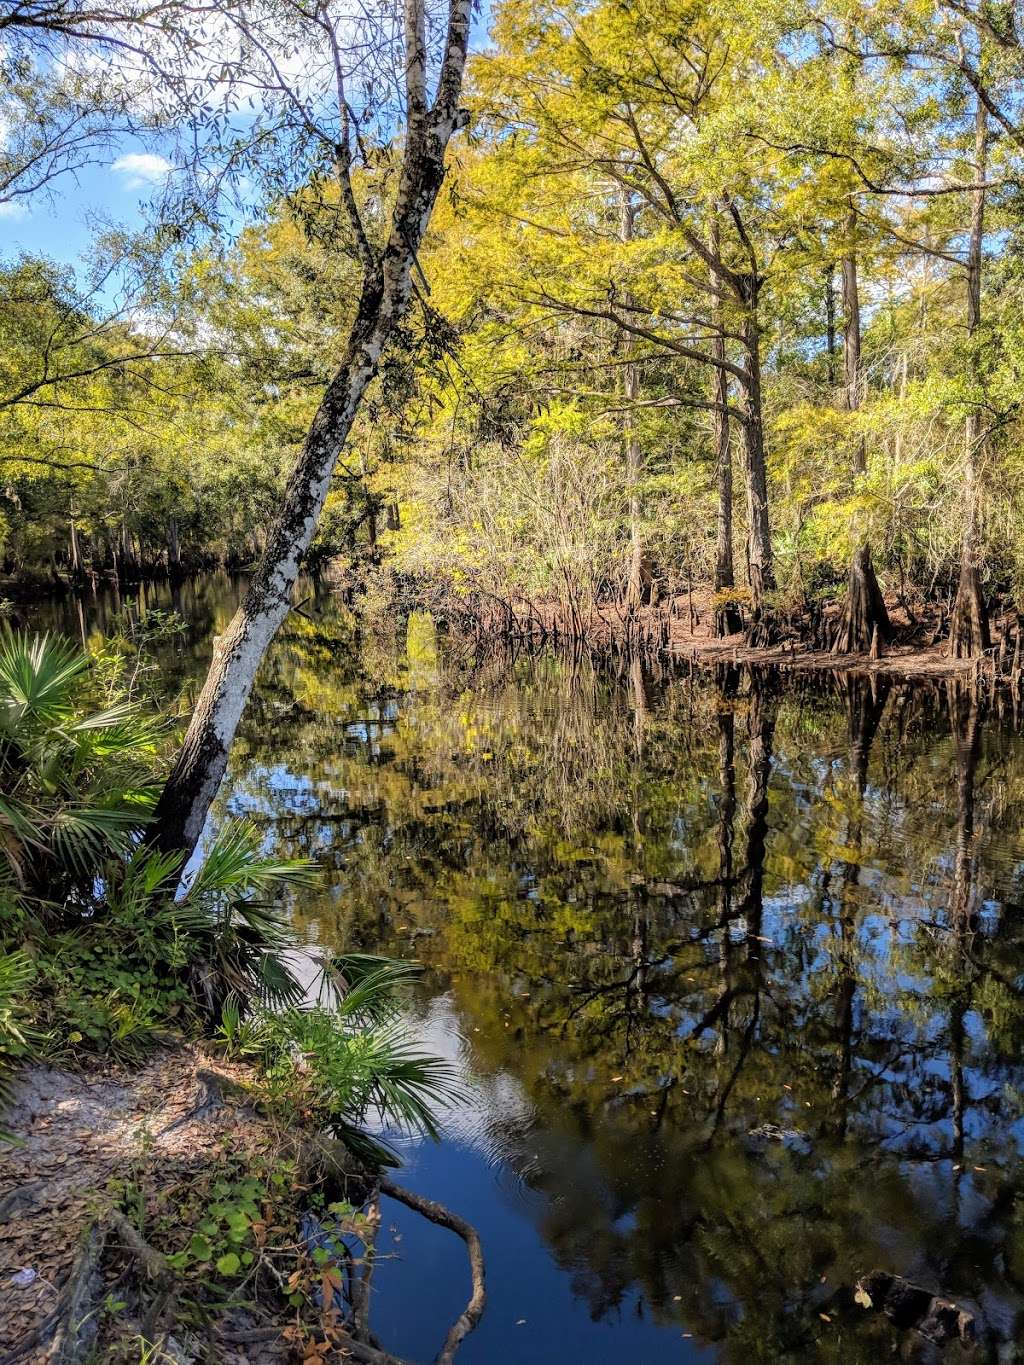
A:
(969, 631)
(864, 619)
(727, 616)
(648, 99)
(638, 582)
(387, 285)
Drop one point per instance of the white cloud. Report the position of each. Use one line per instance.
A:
(12, 208)
(141, 169)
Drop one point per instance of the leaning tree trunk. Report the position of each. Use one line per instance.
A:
(864, 621)
(186, 798)
(727, 616)
(969, 636)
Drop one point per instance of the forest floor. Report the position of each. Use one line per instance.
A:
(98, 1159)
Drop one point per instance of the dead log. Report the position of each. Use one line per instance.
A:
(437, 1213)
(912, 1308)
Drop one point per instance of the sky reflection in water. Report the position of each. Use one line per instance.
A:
(658, 912)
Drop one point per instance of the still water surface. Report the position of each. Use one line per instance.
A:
(657, 913)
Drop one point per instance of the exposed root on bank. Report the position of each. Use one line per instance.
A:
(62, 1337)
(437, 1213)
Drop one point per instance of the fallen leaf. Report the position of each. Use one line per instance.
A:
(824, 1317)
(863, 1298)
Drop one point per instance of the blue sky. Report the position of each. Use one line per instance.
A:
(60, 226)
(63, 226)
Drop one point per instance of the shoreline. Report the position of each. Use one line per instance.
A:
(905, 662)
(169, 1180)
(679, 628)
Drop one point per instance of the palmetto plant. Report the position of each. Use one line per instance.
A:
(76, 783)
(359, 1057)
(232, 939)
(131, 947)
(16, 1037)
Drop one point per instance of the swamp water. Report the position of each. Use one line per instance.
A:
(732, 969)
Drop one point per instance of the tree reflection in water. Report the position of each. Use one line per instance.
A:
(666, 910)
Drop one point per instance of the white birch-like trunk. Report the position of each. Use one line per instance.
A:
(193, 782)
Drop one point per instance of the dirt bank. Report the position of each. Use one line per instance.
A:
(103, 1170)
(907, 660)
(162, 1214)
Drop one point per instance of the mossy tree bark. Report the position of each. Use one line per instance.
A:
(387, 286)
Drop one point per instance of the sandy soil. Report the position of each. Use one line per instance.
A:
(82, 1141)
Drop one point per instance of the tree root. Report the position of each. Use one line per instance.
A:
(256, 1336)
(437, 1213)
(70, 1313)
(153, 1262)
(218, 1090)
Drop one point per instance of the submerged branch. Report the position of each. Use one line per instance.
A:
(437, 1213)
